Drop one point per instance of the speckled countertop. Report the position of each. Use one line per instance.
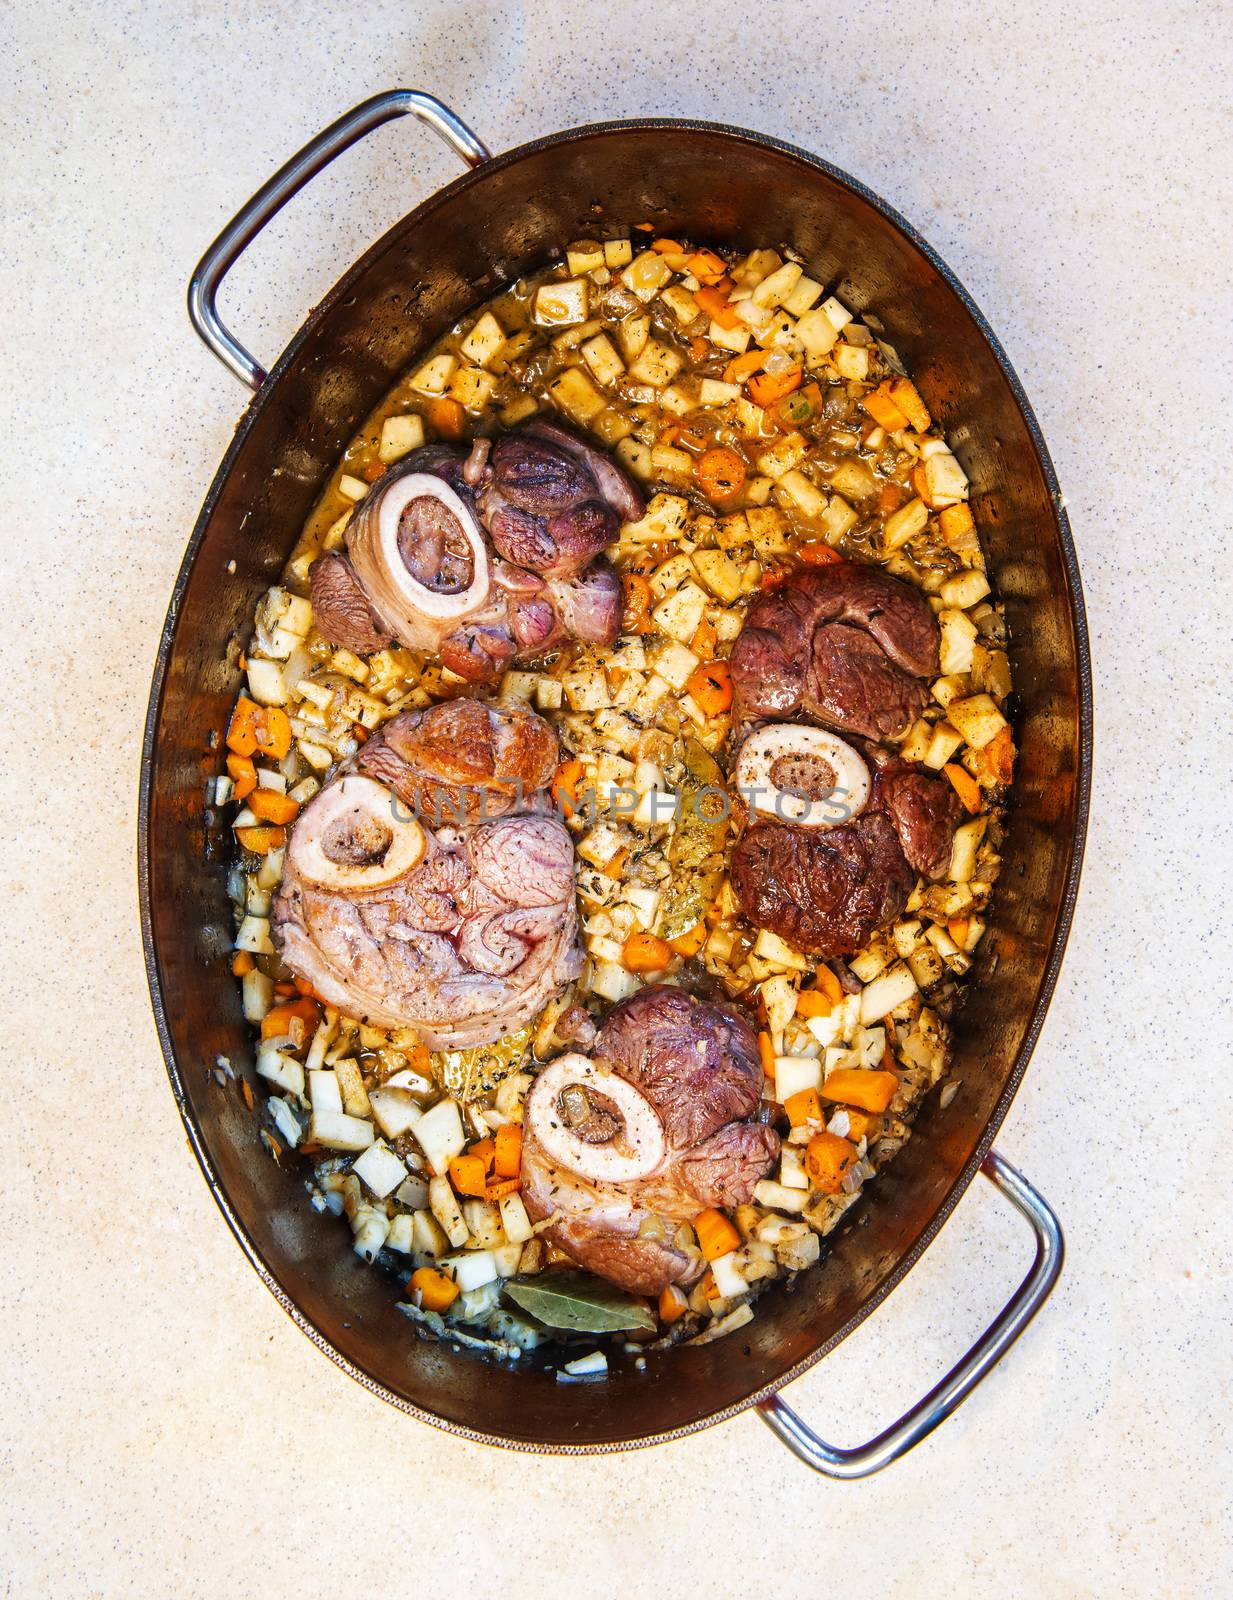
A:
(165, 1428)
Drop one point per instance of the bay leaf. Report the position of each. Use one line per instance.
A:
(579, 1303)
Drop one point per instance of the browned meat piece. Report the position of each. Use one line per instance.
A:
(847, 644)
(441, 557)
(825, 890)
(462, 759)
(552, 503)
(622, 1146)
(341, 609)
(462, 930)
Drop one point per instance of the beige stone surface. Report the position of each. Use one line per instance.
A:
(165, 1429)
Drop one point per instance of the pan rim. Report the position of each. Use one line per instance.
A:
(1070, 888)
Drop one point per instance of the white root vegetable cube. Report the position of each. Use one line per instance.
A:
(483, 1221)
(734, 339)
(681, 303)
(266, 682)
(794, 1073)
(395, 1111)
(817, 335)
(777, 286)
(591, 1365)
(427, 1235)
(286, 1122)
(945, 741)
(977, 719)
(399, 436)
(646, 275)
(351, 1082)
(782, 457)
(439, 1134)
(585, 256)
(401, 1236)
(371, 1229)
(904, 524)
(323, 1091)
(958, 641)
(484, 340)
(561, 303)
(807, 496)
(472, 388)
(679, 613)
(945, 479)
(779, 1198)
(514, 1219)
(770, 947)
(258, 994)
(445, 1209)
(254, 936)
(720, 573)
(657, 365)
(885, 993)
(779, 998)
(792, 1172)
(714, 392)
(963, 851)
(601, 356)
(576, 395)
(412, 1191)
(674, 664)
(727, 1274)
(803, 297)
(838, 314)
(508, 1258)
(380, 1169)
(282, 1070)
(351, 487)
(965, 589)
(636, 458)
(617, 253)
(337, 1131)
(434, 376)
(851, 362)
(612, 982)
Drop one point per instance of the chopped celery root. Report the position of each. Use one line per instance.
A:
(770, 429)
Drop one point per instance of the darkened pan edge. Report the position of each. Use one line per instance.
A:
(1071, 882)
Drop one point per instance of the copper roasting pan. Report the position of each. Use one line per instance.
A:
(503, 217)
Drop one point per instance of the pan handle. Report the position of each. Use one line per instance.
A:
(273, 195)
(865, 1459)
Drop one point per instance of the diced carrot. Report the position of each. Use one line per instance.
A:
(690, 943)
(500, 1187)
(706, 266)
(773, 577)
(964, 785)
(959, 928)
(615, 864)
(905, 394)
(690, 439)
(710, 687)
(767, 1052)
(565, 785)
(767, 387)
(486, 1150)
(643, 952)
(304, 987)
(285, 990)
(271, 806)
(447, 417)
(242, 962)
(667, 247)
(802, 1107)
(997, 759)
(435, 1291)
(273, 728)
(870, 1089)
(241, 731)
(668, 433)
(698, 350)
(882, 408)
(420, 1058)
(243, 775)
(738, 370)
(827, 1158)
(467, 1175)
(716, 1235)
(360, 733)
(672, 1304)
(374, 470)
(644, 227)
(714, 301)
(246, 1089)
(720, 473)
(282, 1020)
(862, 1124)
(921, 483)
(814, 1003)
(507, 1162)
(956, 523)
(817, 553)
(260, 840)
(829, 984)
(890, 497)
(638, 597)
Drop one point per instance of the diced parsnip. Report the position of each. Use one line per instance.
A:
(548, 694)
(576, 395)
(396, 1112)
(514, 1219)
(754, 316)
(943, 743)
(792, 1172)
(676, 400)
(904, 524)
(646, 275)
(905, 395)
(445, 1209)
(258, 994)
(891, 989)
(674, 663)
(817, 335)
(779, 1198)
(681, 303)
(778, 995)
(729, 1280)
(483, 1221)
(585, 256)
(336, 1131)
(267, 683)
(926, 965)
(370, 1228)
(785, 455)
(380, 1169)
(807, 496)
(286, 1123)
(635, 457)
(323, 1091)
(770, 947)
(484, 340)
(679, 614)
(736, 340)
(714, 392)
(775, 288)
(472, 388)
(428, 1238)
(518, 410)
(401, 1236)
(916, 741)
(561, 303)
(439, 1133)
(618, 252)
(254, 936)
(963, 851)
(794, 1073)
(434, 376)
(632, 335)
(977, 719)
(351, 1082)
(965, 589)
(958, 640)
(657, 364)
(720, 573)
(945, 480)
(612, 982)
(353, 488)
(601, 356)
(851, 362)
(412, 1191)
(803, 297)
(280, 1069)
